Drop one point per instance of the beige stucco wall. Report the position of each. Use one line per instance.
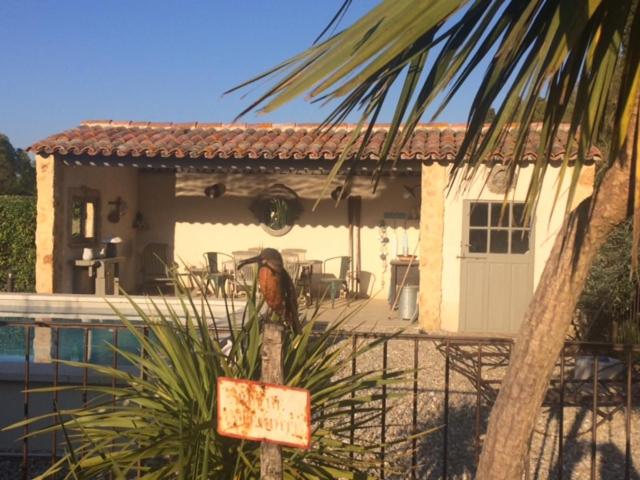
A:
(547, 223)
(111, 182)
(178, 214)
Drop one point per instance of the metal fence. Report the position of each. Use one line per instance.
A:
(584, 431)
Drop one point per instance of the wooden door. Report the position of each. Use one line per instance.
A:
(497, 267)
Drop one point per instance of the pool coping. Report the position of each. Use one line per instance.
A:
(80, 306)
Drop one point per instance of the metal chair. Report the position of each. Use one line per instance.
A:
(337, 283)
(157, 269)
(217, 271)
(367, 281)
(247, 273)
(299, 252)
(291, 265)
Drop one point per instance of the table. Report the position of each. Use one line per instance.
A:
(204, 280)
(399, 267)
(105, 273)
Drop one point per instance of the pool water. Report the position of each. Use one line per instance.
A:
(70, 344)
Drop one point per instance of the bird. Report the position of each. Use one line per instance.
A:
(276, 286)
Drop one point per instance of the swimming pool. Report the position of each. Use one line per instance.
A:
(66, 322)
(70, 341)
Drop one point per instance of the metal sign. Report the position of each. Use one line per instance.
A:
(264, 412)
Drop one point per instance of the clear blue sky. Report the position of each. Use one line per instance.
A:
(64, 61)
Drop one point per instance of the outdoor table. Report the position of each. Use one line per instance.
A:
(104, 272)
(399, 267)
(204, 281)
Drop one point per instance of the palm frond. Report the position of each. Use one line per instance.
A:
(581, 59)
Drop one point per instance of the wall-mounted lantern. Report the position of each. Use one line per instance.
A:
(216, 190)
(118, 208)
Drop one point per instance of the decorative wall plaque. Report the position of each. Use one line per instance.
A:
(498, 179)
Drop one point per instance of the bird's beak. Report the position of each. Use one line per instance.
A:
(248, 261)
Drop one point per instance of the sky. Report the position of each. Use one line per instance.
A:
(64, 61)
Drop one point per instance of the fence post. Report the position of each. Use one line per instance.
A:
(272, 372)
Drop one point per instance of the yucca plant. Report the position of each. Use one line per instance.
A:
(160, 423)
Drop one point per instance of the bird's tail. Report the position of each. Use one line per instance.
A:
(294, 321)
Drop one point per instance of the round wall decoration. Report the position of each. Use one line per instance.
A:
(276, 209)
(498, 181)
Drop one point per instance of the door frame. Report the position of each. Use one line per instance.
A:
(466, 256)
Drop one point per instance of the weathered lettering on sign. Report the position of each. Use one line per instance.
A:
(264, 412)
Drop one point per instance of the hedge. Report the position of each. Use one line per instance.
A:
(17, 241)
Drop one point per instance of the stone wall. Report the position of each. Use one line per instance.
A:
(48, 229)
(434, 181)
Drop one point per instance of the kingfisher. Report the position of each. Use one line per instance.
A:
(276, 286)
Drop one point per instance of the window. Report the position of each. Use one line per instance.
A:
(495, 228)
(84, 216)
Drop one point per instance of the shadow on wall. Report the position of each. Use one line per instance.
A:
(306, 186)
(155, 202)
(191, 205)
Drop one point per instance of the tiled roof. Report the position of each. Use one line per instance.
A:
(437, 142)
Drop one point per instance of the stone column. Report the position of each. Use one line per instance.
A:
(48, 172)
(42, 345)
(434, 183)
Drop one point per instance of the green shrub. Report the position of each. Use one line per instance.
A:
(609, 293)
(17, 241)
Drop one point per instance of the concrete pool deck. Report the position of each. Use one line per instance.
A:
(373, 314)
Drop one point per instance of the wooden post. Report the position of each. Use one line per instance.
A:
(272, 372)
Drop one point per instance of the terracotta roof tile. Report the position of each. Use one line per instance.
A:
(437, 142)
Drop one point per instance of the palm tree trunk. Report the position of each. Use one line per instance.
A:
(547, 321)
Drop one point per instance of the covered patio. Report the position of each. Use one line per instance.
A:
(127, 205)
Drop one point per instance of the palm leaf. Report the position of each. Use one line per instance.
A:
(582, 59)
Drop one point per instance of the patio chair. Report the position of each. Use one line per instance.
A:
(246, 276)
(367, 281)
(299, 252)
(217, 271)
(291, 265)
(335, 284)
(157, 269)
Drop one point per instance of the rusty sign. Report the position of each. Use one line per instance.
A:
(264, 412)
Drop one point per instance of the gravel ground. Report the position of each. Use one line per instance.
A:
(11, 468)
(543, 461)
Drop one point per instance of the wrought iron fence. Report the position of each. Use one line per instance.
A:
(453, 383)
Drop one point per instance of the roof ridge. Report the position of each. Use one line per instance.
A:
(258, 125)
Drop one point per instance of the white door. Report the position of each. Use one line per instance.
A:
(497, 267)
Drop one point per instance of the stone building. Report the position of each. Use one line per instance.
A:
(196, 188)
